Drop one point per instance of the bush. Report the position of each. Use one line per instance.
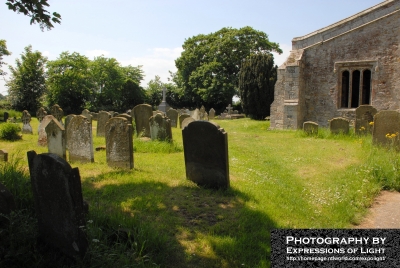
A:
(9, 131)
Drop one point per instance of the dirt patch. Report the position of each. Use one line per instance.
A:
(384, 213)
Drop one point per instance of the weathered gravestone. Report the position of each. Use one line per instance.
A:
(119, 143)
(364, 119)
(339, 125)
(164, 106)
(102, 119)
(126, 116)
(183, 117)
(80, 140)
(203, 114)
(195, 114)
(57, 112)
(5, 116)
(142, 113)
(160, 128)
(40, 114)
(67, 120)
(211, 113)
(172, 114)
(310, 128)
(26, 122)
(206, 154)
(3, 156)
(86, 113)
(386, 128)
(55, 133)
(186, 122)
(58, 202)
(42, 140)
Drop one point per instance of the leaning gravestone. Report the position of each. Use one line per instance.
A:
(172, 114)
(42, 140)
(211, 113)
(187, 121)
(160, 128)
(102, 119)
(339, 125)
(206, 154)
(58, 202)
(364, 119)
(310, 128)
(57, 112)
(55, 133)
(142, 113)
(26, 122)
(119, 143)
(386, 129)
(182, 118)
(3, 156)
(80, 140)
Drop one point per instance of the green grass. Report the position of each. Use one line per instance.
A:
(279, 179)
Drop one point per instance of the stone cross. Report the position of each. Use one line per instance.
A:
(164, 91)
(229, 108)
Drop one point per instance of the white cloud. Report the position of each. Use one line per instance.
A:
(95, 53)
(158, 61)
(280, 59)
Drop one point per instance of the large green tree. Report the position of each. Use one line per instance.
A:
(3, 52)
(27, 84)
(256, 85)
(35, 9)
(209, 66)
(69, 82)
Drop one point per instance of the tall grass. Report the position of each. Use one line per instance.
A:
(152, 216)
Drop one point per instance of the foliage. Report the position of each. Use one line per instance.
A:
(9, 131)
(27, 83)
(256, 85)
(132, 94)
(3, 52)
(154, 91)
(69, 82)
(209, 65)
(35, 10)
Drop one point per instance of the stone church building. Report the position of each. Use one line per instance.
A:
(331, 71)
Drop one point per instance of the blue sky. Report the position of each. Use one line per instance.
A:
(151, 33)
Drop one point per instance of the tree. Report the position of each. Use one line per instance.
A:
(154, 91)
(69, 82)
(3, 52)
(209, 65)
(256, 85)
(27, 84)
(132, 94)
(35, 10)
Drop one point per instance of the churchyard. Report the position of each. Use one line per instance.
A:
(152, 216)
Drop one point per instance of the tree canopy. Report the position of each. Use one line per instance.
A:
(208, 68)
(256, 85)
(3, 52)
(35, 9)
(27, 84)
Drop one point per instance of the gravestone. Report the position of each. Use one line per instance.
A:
(172, 114)
(126, 116)
(160, 128)
(57, 195)
(195, 114)
(183, 117)
(42, 140)
(203, 114)
(57, 112)
(311, 128)
(229, 109)
(86, 113)
(80, 140)
(142, 113)
(164, 106)
(364, 119)
(5, 116)
(40, 114)
(158, 112)
(94, 116)
(119, 143)
(339, 125)
(386, 128)
(67, 120)
(211, 113)
(206, 154)
(187, 121)
(3, 156)
(102, 119)
(7, 202)
(26, 122)
(55, 133)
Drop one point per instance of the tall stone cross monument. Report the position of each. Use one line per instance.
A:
(163, 105)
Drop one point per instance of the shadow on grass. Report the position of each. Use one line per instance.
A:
(184, 225)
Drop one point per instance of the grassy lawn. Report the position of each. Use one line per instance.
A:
(279, 179)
